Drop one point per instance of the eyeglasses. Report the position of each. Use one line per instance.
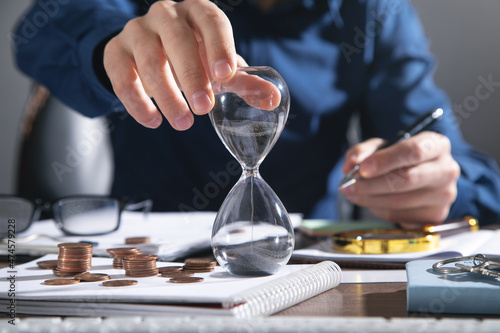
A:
(75, 216)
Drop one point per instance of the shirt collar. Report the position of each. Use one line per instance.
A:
(334, 6)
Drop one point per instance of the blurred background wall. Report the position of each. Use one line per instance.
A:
(464, 36)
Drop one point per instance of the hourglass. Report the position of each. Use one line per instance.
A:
(252, 234)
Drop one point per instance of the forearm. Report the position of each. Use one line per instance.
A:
(401, 88)
(55, 43)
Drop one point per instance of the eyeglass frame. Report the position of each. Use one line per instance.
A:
(40, 206)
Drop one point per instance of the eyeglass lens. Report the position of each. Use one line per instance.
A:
(18, 211)
(87, 216)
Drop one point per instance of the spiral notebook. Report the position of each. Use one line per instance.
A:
(218, 294)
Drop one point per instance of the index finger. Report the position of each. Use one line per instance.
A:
(255, 90)
(413, 151)
(214, 29)
(356, 154)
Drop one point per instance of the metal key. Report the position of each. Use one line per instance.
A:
(479, 270)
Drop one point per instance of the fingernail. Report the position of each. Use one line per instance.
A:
(201, 102)
(154, 123)
(222, 69)
(183, 122)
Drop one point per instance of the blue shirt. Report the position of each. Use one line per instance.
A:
(339, 58)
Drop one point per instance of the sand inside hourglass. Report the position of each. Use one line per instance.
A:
(248, 140)
(253, 248)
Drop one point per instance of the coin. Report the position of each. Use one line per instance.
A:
(91, 277)
(47, 264)
(75, 245)
(176, 274)
(199, 263)
(137, 240)
(186, 279)
(236, 231)
(119, 283)
(120, 250)
(60, 273)
(119, 253)
(141, 273)
(60, 282)
(169, 269)
(196, 270)
(73, 258)
(139, 257)
(140, 265)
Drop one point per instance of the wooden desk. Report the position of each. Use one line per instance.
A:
(355, 300)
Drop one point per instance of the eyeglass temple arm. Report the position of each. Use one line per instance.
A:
(145, 205)
(40, 206)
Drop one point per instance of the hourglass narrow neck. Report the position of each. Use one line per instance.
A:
(250, 172)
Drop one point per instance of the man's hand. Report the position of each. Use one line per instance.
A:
(411, 182)
(175, 47)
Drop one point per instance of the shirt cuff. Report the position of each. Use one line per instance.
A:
(86, 50)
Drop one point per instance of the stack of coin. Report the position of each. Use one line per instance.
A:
(197, 265)
(137, 240)
(141, 265)
(119, 253)
(74, 258)
(173, 271)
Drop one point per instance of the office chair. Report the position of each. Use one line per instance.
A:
(61, 153)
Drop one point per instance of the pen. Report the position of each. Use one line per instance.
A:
(421, 124)
(468, 223)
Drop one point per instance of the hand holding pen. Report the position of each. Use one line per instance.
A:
(409, 179)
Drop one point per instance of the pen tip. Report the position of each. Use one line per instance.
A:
(347, 183)
(437, 113)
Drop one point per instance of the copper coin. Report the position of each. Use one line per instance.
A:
(176, 274)
(91, 277)
(75, 245)
(138, 257)
(195, 263)
(169, 269)
(198, 270)
(186, 279)
(199, 262)
(119, 283)
(141, 273)
(60, 282)
(62, 273)
(137, 240)
(47, 264)
(122, 249)
(236, 231)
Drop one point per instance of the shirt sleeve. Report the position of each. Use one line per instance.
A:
(400, 88)
(54, 44)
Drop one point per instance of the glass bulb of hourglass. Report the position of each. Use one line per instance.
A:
(252, 233)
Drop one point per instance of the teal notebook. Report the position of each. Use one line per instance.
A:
(464, 293)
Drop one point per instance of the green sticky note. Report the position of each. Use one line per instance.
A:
(330, 227)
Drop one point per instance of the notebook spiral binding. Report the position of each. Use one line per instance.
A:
(287, 291)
